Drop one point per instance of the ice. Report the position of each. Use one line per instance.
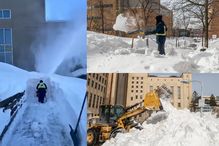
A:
(180, 128)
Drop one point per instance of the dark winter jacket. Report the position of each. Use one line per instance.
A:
(160, 30)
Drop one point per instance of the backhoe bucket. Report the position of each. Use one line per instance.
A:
(152, 101)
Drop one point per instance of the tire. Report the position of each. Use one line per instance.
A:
(92, 137)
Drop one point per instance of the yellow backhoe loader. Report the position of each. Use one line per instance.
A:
(114, 119)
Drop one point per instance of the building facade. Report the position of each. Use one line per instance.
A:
(21, 24)
(140, 84)
(96, 88)
(101, 14)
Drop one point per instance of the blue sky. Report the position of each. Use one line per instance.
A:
(65, 9)
(210, 83)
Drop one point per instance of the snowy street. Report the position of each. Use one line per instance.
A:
(108, 53)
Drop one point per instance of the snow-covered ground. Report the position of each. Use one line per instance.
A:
(181, 128)
(42, 124)
(108, 53)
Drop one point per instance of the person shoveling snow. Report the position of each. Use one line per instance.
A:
(41, 91)
(160, 32)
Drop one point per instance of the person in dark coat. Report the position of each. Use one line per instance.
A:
(41, 91)
(160, 32)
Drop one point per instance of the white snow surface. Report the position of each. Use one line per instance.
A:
(181, 128)
(42, 124)
(107, 53)
(125, 24)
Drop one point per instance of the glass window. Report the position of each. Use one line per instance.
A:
(1, 36)
(179, 92)
(8, 48)
(2, 49)
(2, 57)
(6, 14)
(151, 88)
(8, 36)
(1, 14)
(8, 58)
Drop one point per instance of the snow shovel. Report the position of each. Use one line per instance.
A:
(73, 132)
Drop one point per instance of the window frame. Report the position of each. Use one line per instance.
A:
(2, 12)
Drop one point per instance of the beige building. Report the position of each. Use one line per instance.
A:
(96, 88)
(140, 84)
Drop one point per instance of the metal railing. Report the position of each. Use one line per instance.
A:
(11, 103)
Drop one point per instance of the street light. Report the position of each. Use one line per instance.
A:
(201, 101)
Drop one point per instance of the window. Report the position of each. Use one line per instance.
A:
(97, 105)
(88, 82)
(172, 90)
(179, 92)
(151, 88)
(5, 14)
(179, 104)
(90, 100)
(136, 96)
(97, 76)
(141, 96)
(6, 51)
(131, 98)
(94, 100)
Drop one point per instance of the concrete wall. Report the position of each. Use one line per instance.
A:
(28, 28)
(27, 16)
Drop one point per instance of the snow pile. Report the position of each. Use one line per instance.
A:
(42, 124)
(105, 51)
(125, 24)
(181, 128)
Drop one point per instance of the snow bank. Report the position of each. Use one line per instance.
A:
(181, 128)
(105, 51)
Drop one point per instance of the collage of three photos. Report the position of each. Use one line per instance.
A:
(109, 73)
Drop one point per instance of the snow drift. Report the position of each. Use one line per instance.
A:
(181, 128)
(105, 51)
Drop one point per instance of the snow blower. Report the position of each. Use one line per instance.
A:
(74, 132)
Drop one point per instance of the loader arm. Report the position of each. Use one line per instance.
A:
(151, 102)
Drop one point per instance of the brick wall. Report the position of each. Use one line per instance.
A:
(111, 8)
